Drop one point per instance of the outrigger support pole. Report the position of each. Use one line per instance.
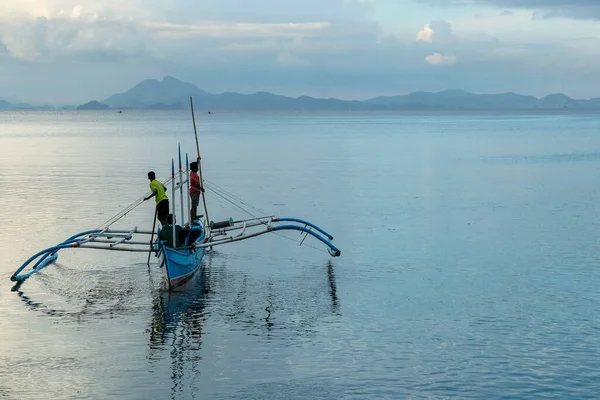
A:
(222, 236)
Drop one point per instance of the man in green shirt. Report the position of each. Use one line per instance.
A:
(162, 201)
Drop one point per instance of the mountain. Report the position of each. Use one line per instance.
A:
(172, 94)
(151, 92)
(93, 105)
(5, 106)
(457, 99)
(559, 100)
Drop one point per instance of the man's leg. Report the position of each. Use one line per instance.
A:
(163, 211)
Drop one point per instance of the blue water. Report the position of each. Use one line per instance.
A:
(469, 264)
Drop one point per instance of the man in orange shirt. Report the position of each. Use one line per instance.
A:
(195, 189)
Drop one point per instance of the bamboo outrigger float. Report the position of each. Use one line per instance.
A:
(178, 263)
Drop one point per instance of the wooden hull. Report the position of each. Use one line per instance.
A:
(180, 265)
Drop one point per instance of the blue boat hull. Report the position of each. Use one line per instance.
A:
(180, 265)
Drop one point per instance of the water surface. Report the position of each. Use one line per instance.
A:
(469, 262)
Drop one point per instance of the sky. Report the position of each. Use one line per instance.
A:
(74, 51)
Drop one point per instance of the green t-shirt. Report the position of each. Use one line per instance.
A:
(160, 191)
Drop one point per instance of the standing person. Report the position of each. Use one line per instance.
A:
(195, 189)
(162, 201)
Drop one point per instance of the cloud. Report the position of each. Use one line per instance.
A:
(77, 50)
(60, 37)
(576, 9)
(217, 29)
(440, 59)
(436, 31)
(41, 29)
(426, 34)
(186, 11)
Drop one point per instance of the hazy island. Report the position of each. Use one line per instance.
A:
(173, 94)
(93, 105)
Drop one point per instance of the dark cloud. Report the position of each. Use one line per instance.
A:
(576, 9)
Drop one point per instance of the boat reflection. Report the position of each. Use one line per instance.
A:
(245, 311)
(228, 302)
(335, 301)
(180, 310)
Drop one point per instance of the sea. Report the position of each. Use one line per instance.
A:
(469, 262)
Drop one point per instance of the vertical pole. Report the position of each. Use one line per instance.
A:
(152, 237)
(173, 192)
(181, 185)
(199, 164)
(187, 174)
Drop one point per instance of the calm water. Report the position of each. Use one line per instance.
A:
(469, 262)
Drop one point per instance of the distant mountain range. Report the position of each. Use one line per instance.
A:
(173, 94)
(5, 105)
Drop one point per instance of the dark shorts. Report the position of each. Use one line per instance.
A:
(195, 199)
(163, 210)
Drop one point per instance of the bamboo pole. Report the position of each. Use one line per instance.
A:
(206, 219)
(173, 193)
(187, 173)
(181, 185)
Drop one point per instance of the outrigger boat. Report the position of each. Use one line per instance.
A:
(179, 263)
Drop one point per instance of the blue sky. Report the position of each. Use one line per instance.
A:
(71, 51)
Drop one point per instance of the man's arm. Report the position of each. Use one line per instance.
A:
(197, 185)
(151, 196)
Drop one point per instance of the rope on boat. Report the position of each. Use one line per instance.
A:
(215, 186)
(239, 207)
(129, 208)
(222, 193)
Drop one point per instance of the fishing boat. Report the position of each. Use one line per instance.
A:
(179, 256)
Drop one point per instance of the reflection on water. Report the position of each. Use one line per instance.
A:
(176, 327)
(178, 318)
(220, 298)
(335, 303)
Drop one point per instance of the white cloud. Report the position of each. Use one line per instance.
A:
(62, 38)
(436, 31)
(234, 30)
(426, 34)
(441, 59)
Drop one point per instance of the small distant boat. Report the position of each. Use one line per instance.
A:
(120, 112)
(178, 263)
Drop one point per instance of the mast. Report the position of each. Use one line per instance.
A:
(181, 184)
(187, 173)
(173, 193)
(206, 219)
